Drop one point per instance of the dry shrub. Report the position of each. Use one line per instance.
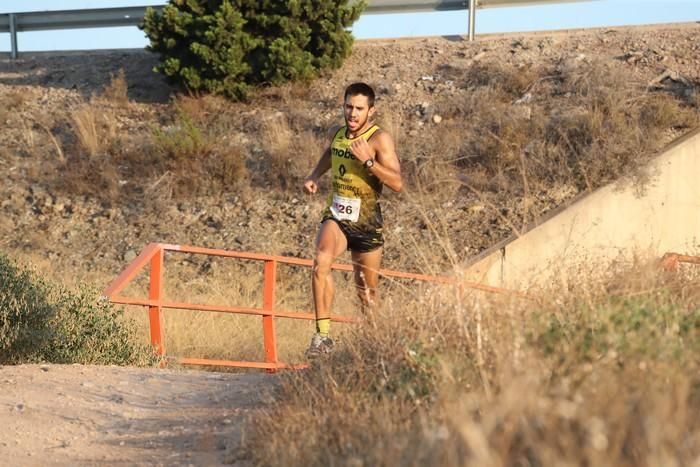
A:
(193, 161)
(201, 109)
(179, 149)
(277, 140)
(289, 154)
(229, 167)
(12, 102)
(97, 177)
(510, 80)
(14, 99)
(86, 129)
(307, 148)
(182, 158)
(482, 134)
(581, 124)
(218, 171)
(117, 90)
(287, 92)
(95, 129)
(603, 375)
(91, 168)
(661, 111)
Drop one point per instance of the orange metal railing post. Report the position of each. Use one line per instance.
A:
(269, 278)
(154, 254)
(155, 311)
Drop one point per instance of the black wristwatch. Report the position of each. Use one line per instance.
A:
(369, 163)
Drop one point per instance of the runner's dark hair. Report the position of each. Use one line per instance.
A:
(363, 89)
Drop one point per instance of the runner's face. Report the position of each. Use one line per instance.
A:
(357, 112)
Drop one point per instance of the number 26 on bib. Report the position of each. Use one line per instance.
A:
(345, 209)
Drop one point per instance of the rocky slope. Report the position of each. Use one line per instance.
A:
(84, 237)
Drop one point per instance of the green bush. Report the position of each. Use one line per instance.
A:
(181, 141)
(228, 46)
(651, 327)
(40, 321)
(25, 312)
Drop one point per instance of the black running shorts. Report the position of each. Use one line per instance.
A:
(360, 241)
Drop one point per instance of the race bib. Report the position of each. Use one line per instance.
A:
(345, 209)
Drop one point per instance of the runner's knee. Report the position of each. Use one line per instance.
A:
(322, 264)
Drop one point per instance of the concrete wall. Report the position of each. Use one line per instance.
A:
(614, 222)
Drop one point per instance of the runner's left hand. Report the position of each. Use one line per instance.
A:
(362, 150)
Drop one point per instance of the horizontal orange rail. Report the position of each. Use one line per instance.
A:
(154, 255)
(670, 260)
(337, 266)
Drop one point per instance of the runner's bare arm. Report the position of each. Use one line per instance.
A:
(322, 166)
(386, 163)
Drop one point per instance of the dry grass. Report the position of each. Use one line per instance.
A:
(95, 129)
(287, 93)
(88, 168)
(525, 139)
(117, 89)
(189, 154)
(520, 141)
(603, 375)
(12, 103)
(277, 144)
(289, 152)
(204, 110)
(60, 156)
(14, 100)
(86, 130)
(29, 139)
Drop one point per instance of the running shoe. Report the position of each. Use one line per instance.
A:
(319, 346)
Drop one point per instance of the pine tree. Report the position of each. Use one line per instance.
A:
(229, 46)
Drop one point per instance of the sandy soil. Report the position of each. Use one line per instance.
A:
(77, 415)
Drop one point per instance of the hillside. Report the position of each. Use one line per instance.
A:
(82, 210)
(492, 134)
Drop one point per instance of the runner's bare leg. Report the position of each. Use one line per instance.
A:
(330, 243)
(366, 267)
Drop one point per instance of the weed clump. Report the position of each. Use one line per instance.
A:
(43, 322)
(596, 376)
(117, 89)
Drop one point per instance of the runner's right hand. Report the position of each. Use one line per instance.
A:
(310, 187)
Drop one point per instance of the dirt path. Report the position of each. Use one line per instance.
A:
(87, 415)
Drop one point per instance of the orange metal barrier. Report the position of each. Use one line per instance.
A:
(154, 254)
(670, 261)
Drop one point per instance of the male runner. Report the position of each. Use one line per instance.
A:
(362, 159)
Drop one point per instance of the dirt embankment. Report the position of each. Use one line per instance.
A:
(90, 239)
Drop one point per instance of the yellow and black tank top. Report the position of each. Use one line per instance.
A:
(354, 199)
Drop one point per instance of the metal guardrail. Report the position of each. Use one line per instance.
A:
(132, 16)
(669, 262)
(153, 255)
